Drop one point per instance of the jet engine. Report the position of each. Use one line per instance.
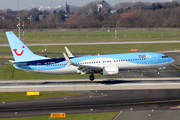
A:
(110, 71)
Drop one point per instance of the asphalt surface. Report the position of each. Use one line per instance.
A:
(104, 100)
(109, 101)
(84, 85)
(149, 115)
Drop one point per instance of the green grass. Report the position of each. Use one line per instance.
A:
(13, 96)
(6, 71)
(81, 36)
(89, 116)
(6, 74)
(103, 49)
(95, 36)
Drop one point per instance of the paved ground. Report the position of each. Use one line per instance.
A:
(145, 79)
(149, 115)
(84, 84)
(109, 101)
(161, 97)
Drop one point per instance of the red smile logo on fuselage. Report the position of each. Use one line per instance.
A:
(18, 54)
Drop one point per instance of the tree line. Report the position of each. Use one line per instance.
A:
(140, 14)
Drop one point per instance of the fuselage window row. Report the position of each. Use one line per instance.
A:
(99, 62)
(129, 60)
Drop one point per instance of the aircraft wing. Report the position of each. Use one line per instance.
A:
(79, 65)
(69, 52)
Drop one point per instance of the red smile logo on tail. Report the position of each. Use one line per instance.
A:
(18, 54)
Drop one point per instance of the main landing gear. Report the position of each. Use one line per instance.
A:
(91, 77)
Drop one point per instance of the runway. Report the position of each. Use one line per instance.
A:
(129, 80)
(109, 101)
(134, 90)
(98, 43)
(84, 84)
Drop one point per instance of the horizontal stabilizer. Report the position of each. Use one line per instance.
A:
(16, 63)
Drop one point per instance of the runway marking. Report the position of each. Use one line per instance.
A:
(120, 104)
(175, 66)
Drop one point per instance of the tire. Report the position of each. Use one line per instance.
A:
(91, 77)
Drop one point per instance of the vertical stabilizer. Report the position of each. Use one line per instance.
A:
(19, 50)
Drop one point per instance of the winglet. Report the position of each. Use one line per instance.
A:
(68, 60)
(68, 52)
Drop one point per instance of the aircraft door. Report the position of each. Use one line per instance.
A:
(38, 66)
(155, 58)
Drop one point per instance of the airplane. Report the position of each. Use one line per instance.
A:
(107, 65)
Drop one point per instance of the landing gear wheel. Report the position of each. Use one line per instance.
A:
(91, 77)
(158, 73)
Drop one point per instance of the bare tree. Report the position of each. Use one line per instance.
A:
(123, 5)
(89, 8)
(139, 5)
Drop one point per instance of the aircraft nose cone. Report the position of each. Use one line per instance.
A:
(171, 60)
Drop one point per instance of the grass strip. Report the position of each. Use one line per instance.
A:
(95, 36)
(13, 96)
(89, 116)
(6, 71)
(6, 74)
(103, 49)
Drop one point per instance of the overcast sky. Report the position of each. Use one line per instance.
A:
(13, 4)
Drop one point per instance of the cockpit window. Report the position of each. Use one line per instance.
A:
(164, 56)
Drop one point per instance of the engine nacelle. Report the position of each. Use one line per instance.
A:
(110, 71)
(81, 72)
(78, 71)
